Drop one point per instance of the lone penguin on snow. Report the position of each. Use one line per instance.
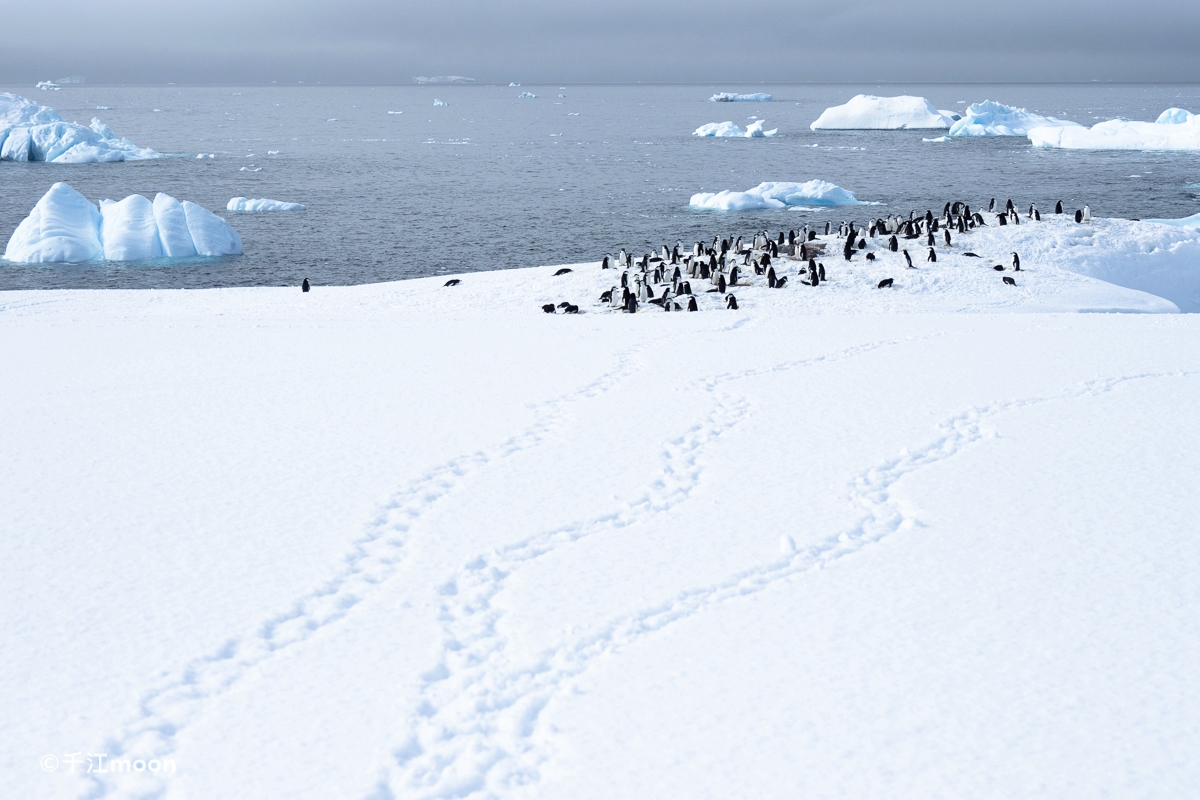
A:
(731, 302)
(908, 260)
(304, 286)
(1016, 263)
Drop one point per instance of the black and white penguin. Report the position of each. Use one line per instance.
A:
(1058, 207)
(548, 308)
(721, 282)
(691, 306)
(999, 268)
(686, 288)
(1016, 262)
(893, 244)
(731, 302)
(568, 308)
(870, 256)
(563, 271)
(1002, 219)
(929, 239)
(992, 205)
(821, 271)
(908, 260)
(885, 283)
(625, 280)
(1008, 207)
(827, 227)
(946, 236)
(304, 285)
(1009, 281)
(932, 255)
(631, 304)
(733, 276)
(604, 262)
(771, 278)
(452, 282)
(1078, 216)
(1087, 213)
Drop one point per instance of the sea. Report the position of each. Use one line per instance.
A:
(399, 186)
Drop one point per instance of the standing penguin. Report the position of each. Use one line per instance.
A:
(1016, 262)
(821, 271)
(946, 236)
(770, 277)
(304, 286)
(1087, 213)
(893, 244)
(908, 260)
(604, 263)
(731, 302)
(692, 304)
(932, 255)
(1058, 207)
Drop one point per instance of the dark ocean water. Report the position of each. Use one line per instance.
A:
(492, 181)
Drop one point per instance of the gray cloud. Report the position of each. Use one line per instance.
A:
(370, 41)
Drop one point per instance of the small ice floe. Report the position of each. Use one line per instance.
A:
(815, 193)
(527, 95)
(727, 129)
(274, 152)
(261, 204)
(733, 97)
(1175, 129)
(65, 227)
(437, 102)
(206, 155)
(395, 112)
(572, 113)
(868, 112)
(48, 86)
(104, 108)
(937, 139)
(514, 84)
(332, 119)
(251, 168)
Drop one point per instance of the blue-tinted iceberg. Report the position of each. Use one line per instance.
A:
(868, 112)
(33, 132)
(729, 130)
(733, 97)
(65, 226)
(1175, 129)
(1191, 223)
(261, 204)
(990, 118)
(776, 195)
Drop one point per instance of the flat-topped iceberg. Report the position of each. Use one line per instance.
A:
(727, 130)
(33, 132)
(776, 195)
(868, 112)
(65, 226)
(261, 204)
(990, 118)
(733, 97)
(1175, 129)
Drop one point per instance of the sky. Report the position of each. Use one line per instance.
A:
(539, 41)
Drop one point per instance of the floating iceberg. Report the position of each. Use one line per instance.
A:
(867, 112)
(261, 204)
(48, 86)
(64, 226)
(443, 79)
(937, 139)
(776, 195)
(996, 119)
(437, 102)
(33, 132)
(1190, 223)
(1175, 129)
(729, 130)
(732, 97)
(527, 94)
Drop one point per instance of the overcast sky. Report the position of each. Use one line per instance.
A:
(384, 41)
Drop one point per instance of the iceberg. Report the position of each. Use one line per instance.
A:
(33, 132)
(437, 102)
(443, 79)
(732, 97)
(776, 195)
(725, 130)
(65, 226)
(867, 112)
(1190, 223)
(1175, 129)
(261, 204)
(527, 94)
(990, 118)
(48, 86)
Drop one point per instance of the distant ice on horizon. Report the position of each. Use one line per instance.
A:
(776, 195)
(733, 97)
(33, 132)
(868, 112)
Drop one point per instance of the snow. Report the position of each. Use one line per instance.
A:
(868, 112)
(729, 129)
(412, 541)
(990, 118)
(33, 132)
(733, 97)
(1192, 222)
(1175, 129)
(65, 226)
(261, 204)
(775, 194)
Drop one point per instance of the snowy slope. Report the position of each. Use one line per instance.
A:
(411, 540)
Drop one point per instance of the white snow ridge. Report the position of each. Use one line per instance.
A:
(65, 226)
(33, 132)
(868, 112)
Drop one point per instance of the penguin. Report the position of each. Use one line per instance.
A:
(969, 254)
(999, 268)
(568, 308)
(452, 282)
(563, 271)
(630, 304)
(1014, 217)
(624, 280)
(604, 262)
(1009, 281)
(870, 256)
(623, 258)
(1058, 207)
(548, 308)
(932, 255)
(908, 260)
(992, 205)
(781, 282)
(1078, 217)
(821, 271)
(1016, 262)
(1002, 219)
(827, 227)
(1008, 207)
(731, 302)
(1037, 215)
(1032, 209)
(733, 276)
(893, 244)
(929, 239)
(721, 282)
(885, 283)
(771, 278)
(304, 285)
(606, 297)
(1087, 213)
(946, 236)
(692, 304)
(687, 287)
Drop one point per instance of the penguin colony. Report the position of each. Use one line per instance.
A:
(669, 279)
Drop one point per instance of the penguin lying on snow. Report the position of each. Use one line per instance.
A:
(563, 271)
(1009, 281)
(999, 268)
(971, 255)
(548, 308)
(885, 283)
(568, 308)
(452, 282)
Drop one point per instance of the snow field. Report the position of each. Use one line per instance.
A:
(363, 566)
